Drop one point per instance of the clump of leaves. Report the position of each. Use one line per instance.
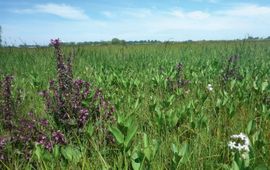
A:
(231, 70)
(177, 80)
(7, 102)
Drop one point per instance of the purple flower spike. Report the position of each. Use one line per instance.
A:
(83, 117)
(44, 122)
(59, 137)
(55, 42)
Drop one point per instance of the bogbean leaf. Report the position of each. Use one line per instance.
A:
(128, 121)
(255, 85)
(67, 153)
(136, 104)
(71, 154)
(250, 126)
(147, 149)
(117, 134)
(174, 149)
(232, 84)
(90, 129)
(130, 134)
(145, 140)
(184, 152)
(235, 166)
(261, 167)
(136, 160)
(38, 152)
(264, 85)
(56, 151)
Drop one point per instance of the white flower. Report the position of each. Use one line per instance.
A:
(231, 144)
(210, 87)
(240, 142)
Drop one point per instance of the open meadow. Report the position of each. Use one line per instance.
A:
(146, 106)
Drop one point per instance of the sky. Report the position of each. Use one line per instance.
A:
(38, 21)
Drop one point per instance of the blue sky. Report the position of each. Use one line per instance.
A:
(37, 21)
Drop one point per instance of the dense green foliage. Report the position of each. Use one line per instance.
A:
(158, 126)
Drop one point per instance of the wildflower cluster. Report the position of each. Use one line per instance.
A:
(210, 87)
(31, 130)
(73, 103)
(179, 80)
(239, 143)
(24, 132)
(59, 137)
(231, 71)
(102, 111)
(3, 142)
(7, 102)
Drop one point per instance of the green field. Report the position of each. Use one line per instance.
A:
(165, 117)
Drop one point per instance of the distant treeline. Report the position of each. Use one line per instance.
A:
(116, 41)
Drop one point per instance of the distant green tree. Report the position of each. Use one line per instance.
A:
(116, 41)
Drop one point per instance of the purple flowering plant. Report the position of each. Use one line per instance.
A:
(23, 132)
(73, 103)
(177, 78)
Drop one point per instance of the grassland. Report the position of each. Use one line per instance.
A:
(184, 126)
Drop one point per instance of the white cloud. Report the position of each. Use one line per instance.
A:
(192, 15)
(177, 13)
(198, 15)
(213, 1)
(133, 24)
(138, 13)
(129, 13)
(247, 10)
(61, 10)
(108, 14)
(208, 1)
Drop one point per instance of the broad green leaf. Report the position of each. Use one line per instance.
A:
(38, 152)
(264, 85)
(130, 134)
(145, 140)
(174, 119)
(71, 154)
(255, 85)
(67, 152)
(136, 161)
(128, 121)
(56, 151)
(261, 167)
(218, 103)
(90, 129)
(148, 153)
(184, 152)
(117, 134)
(136, 104)
(232, 110)
(250, 126)
(235, 166)
(174, 149)
(232, 84)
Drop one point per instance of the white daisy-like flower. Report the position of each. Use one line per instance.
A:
(231, 144)
(210, 87)
(240, 142)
